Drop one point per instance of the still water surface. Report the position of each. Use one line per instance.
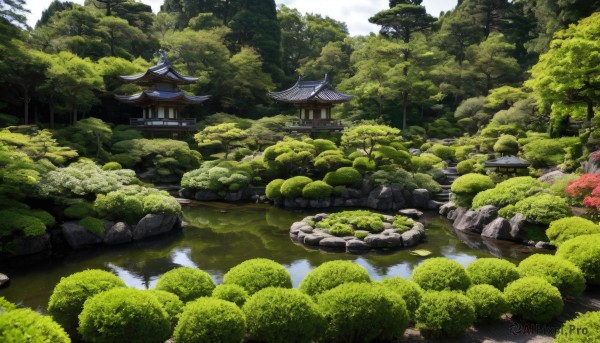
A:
(219, 236)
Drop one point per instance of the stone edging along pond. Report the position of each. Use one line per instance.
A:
(308, 233)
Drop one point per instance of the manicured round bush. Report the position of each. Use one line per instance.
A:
(6, 305)
(317, 190)
(408, 290)
(124, 315)
(330, 160)
(323, 145)
(233, 293)
(66, 301)
(256, 274)
(507, 145)
(292, 188)
(171, 303)
(163, 204)
(345, 176)
(440, 273)
(187, 283)
(210, 320)
(359, 312)
(341, 230)
(492, 271)
(283, 315)
(465, 167)
(93, 225)
(564, 229)
(489, 302)
(80, 210)
(427, 182)
(584, 252)
(273, 189)
(539, 209)
(560, 273)
(119, 206)
(509, 192)
(112, 166)
(332, 274)
(442, 151)
(466, 187)
(363, 164)
(583, 329)
(25, 325)
(533, 298)
(444, 314)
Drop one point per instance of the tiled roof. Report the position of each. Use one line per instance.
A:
(311, 91)
(162, 96)
(162, 72)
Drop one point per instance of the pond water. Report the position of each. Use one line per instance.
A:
(220, 235)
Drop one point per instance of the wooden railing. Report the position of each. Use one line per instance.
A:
(317, 124)
(163, 123)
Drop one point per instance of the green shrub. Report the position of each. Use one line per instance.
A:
(317, 190)
(508, 192)
(338, 190)
(233, 293)
(462, 152)
(15, 222)
(256, 274)
(427, 182)
(564, 229)
(283, 315)
(66, 301)
(548, 152)
(323, 145)
(25, 325)
(466, 187)
(292, 188)
(358, 312)
(442, 151)
(112, 166)
(440, 273)
(345, 176)
(363, 164)
(210, 320)
(41, 215)
(426, 161)
(361, 234)
(171, 303)
(124, 315)
(273, 189)
(489, 302)
(341, 230)
(444, 314)
(403, 223)
(466, 167)
(187, 283)
(408, 290)
(560, 273)
(331, 160)
(6, 305)
(585, 328)
(533, 298)
(396, 177)
(80, 210)
(159, 203)
(359, 220)
(538, 209)
(93, 225)
(119, 206)
(584, 252)
(507, 145)
(492, 271)
(332, 274)
(385, 155)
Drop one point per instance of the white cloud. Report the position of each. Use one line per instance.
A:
(355, 13)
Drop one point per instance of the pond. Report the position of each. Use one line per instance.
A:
(219, 236)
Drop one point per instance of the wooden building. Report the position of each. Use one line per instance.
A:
(314, 100)
(162, 102)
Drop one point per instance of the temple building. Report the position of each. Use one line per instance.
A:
(162, 102)
(314, 100)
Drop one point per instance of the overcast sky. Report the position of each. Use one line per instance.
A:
(354, 12)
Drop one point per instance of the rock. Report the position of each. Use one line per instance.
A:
(381, 241)
(517, 222)
(434, 205)
(551, 177)
(186, 193)
(289, 203)
(380, 198)
(313, 239)
(398, 197)
(297, 225)
(355, 202)
(499, 228)
(411, 237)
(338, 202)
(388, 232)
(366, 187)
(154, 224)
(319, 203)
(351, 193)
(206, 195)
(357, 244)
(419, 226)
(411, 213)
(420, 198)
(387, 226)
(447, 207)
(544, 245)
(320, 216)
(77, 236)
(118, 233)
(301, 236)
(301, 202)
(308, 219)
(4, 280)
(475, 221)
(333, 242)
(414, 152)
(388, 219)
(592, 165)
(307, 229)
(234, 196)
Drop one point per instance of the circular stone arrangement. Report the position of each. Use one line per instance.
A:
(310, 233)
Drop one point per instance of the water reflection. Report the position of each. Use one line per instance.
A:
(219, 236)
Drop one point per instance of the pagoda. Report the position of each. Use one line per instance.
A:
(314, 100)
(162, 102)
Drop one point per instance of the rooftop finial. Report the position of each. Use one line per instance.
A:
(163, 56)
(327, 79)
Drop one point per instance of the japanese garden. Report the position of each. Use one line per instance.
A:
(244, 171)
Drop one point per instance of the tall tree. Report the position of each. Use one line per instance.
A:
(493, 62)
(108, 5)
(458, 31)
(55, 6)
(120, 35)
(14, 11)
(489, 14)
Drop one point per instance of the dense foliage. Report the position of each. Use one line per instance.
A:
(466, 187)
(231, 292)
(569, 333)
(584, 252)
(410, 292)
(210, 320)
(560, 273)
(440, 273)
(256, 274)
(492, 271)
(489, 302)
(332, 274)
(445, 313)
(563, 229)
(25, 325)
(539, 209)
(534, 299)
(187, 283)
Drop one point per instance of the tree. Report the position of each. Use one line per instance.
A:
(108, 5)
(120, 35)
(567, 75)
(226, 134)
(367, 137)
(334, 60)
(492, 61)
(457, 33)
(490, 15)
(473, 108)
(55, 6)
(14, 11)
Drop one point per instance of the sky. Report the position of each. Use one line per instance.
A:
(355, 13)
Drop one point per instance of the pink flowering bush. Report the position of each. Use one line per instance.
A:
(586, 190)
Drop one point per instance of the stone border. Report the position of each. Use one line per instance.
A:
(302, 232)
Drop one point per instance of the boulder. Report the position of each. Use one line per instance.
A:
(517, 223)
(355, 202)
(421, 198)
(414, 151)
(154, 224)
(351, 193)
(411, 237)
(388, 232)
(544, 245)
(296, 226)
(332, 242)
(380, 198)
(499, 228)
(289, 203)
(475, 221)
(237, 196)
(551, 177)
(411, 213)
(384, 241)
(301, 236)
(24, 246)
(433, 205)
(357, 244)
(206, 195)
(366, 187)
(456, 213)
(118, 233)
(77, 236)
(445, 208)
(338, 202)
(307, 229)
(419, 226)
(186, 193)
(313, 239)
(301, 202)
(387, 226)
(4, 280)
(398, 196)
(320, 216)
